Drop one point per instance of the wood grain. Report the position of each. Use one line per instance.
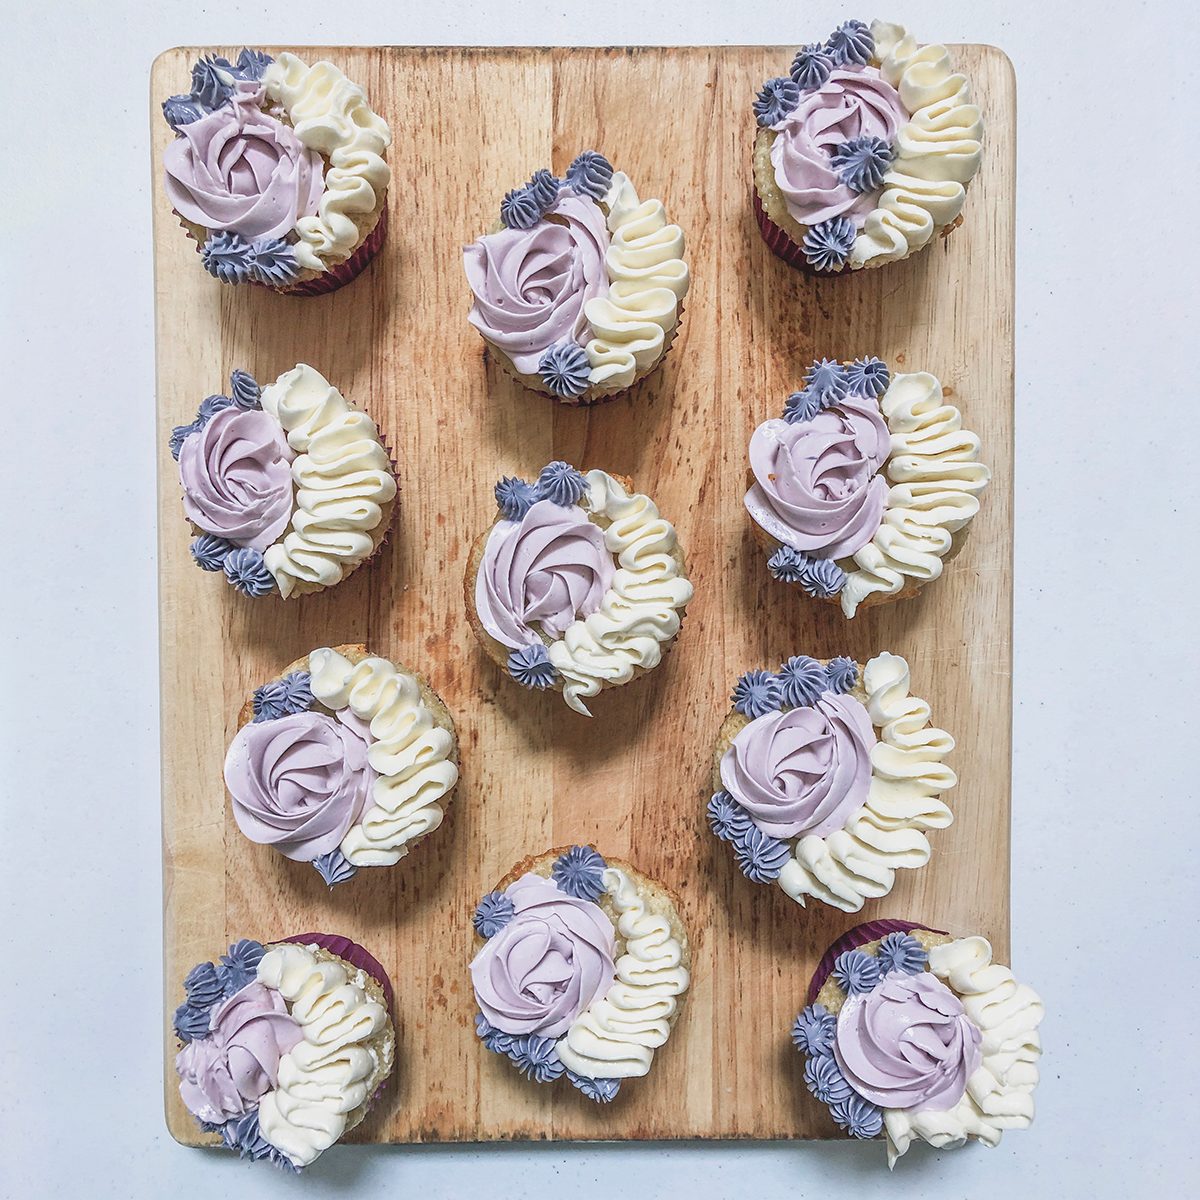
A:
(634, 779)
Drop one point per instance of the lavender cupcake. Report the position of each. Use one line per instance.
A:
(578, 290)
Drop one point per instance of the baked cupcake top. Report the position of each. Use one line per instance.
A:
(581, 971)
(276, 169)
(866, 483)
(866, 146)
(578, 288)
(284, 1046)
(288, 487)
(920, 1036)
(579, 584)
(344, 760)
(827, 777)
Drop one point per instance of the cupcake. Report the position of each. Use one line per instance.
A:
(277, 172)
(343, 760)
(284, 1047)
(921, 1037)
(578, 289)
(578, 585)
(863, 489)
(580, 971)
(863, 150)
(827, 777)
(288, 488)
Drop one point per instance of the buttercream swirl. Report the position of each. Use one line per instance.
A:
(908, 775)
(330, 115)
(343, 1056)
(342, 478)
(409, 753)
(615, 1038)
(935, 480)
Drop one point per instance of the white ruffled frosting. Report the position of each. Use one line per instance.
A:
(615, 1037)
(936, 477)
(640, 612)
(409, 751)
(937, 152)
(331, 116)
(908, 775)
(999, 1094)
(325, 1077)
(342, 479)
(648, 281)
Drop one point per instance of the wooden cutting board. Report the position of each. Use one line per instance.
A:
(468, 125)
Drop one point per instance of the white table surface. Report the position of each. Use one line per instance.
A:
(1104, 806)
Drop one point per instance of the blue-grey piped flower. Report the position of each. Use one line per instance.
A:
(802, 680)
(726, 817)
(202, 985)
(191, 1022)
(822, 578)
(245, 569)
(842, 673)
(565, 369)
(787, 564)
(813, 1030)
(268, 701)
(334, 867)
(868, 377)
(243, 1135)
(297, 692)
(824, 1079)
(239, 964)
(901, 952)
(603, 1091)
(851, 44)
(811, 67)
(755, 693)
(561, 484)
(826, 379)
(862, 162)
(544, 186)
(590, 174)
(496, 1040)
(802, 406)
(828, 245)
(519, 209)
(251, 64)
(777, 99)
(531, 667)
(226, 256)
(492, 913)
(209, 407)
(760, 857)
(857, 1115)
(272, 261)
(514, 497)
(211, 86)
(580, 873)
(181, 110)
(856, 972)
(178, 436)
(536, 1057)
(209, 551)
(244, 389)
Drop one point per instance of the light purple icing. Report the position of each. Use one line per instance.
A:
(908, 1043)
(552, 959)
(531, 285)
(237, 477)
(545, 570)
(224, 1074)
(803, 771)
(852, 103)
(817, 484)
(299, 782)
(241, 170)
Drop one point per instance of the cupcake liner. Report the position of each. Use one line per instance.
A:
(336, 277)
(860, 935)
(354, 954)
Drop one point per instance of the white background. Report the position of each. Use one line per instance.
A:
(1104, 824)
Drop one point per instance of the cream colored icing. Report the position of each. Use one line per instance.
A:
(409, 752)
(615, 1037)
(937, 152)
(935, 477)
(325, 1077)
(640, 612)
(331, 115)
(860, 861)
(648, 280)
(999, 1094)
(342, 478)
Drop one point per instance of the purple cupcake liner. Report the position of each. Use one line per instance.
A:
(336, 277)
(860, 935)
